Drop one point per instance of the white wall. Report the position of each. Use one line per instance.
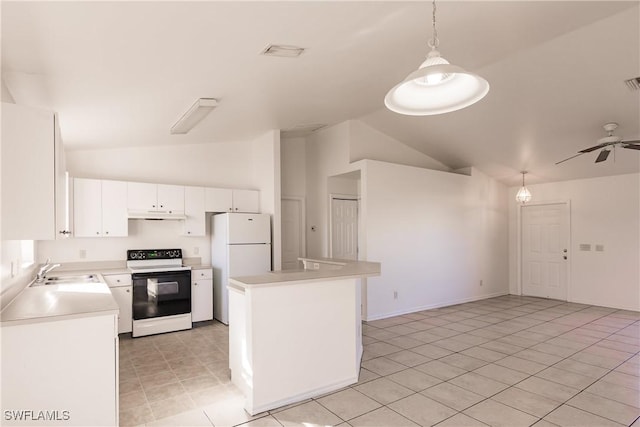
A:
(603, 211)
(437, 234)
(369, 143)
(143, 234)
(327, 154)
(266, 178)
(232, 165)
(293, 161)
(226, 164)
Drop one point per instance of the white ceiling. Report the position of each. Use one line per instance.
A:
(121, 73)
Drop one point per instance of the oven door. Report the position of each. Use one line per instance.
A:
(161, 294)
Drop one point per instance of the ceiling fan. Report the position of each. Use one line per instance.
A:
(610, 140)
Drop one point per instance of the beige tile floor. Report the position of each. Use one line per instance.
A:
(506, 361)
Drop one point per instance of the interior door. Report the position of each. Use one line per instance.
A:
(545, 244)
(344, 228)
(292, 233)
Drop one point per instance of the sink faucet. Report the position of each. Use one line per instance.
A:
(47, 267)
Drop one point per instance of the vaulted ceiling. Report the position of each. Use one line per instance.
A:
(121, 73)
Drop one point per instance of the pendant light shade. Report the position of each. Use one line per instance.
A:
(436, 87)
(524, 195)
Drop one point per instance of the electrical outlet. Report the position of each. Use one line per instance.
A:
(481, 282)
(315, 266)
(196, 250)
(82, 253)
(599, 248)
(395, 294)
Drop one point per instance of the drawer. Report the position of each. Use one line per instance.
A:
(202, 273)
(115, 280)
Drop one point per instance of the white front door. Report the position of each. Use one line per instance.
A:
(292, 233)
(344, 228)
(545, 244)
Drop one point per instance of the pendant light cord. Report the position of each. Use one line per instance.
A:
(434, 42)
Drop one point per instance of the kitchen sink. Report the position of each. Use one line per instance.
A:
(58, 280)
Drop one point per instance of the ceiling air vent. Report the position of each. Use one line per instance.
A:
(283, 51)
(633, 84)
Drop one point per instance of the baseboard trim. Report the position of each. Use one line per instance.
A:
(302, 396)
(436, 305)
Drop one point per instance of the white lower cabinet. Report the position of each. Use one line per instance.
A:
(121, 288)
(201, 294)
(62, 372)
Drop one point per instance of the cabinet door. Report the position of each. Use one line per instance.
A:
(28, 200)
(61, 185)
(201, 300)
(123, 297)
(171, 198)
(218, 199)
(246, 201)
(87, 207)
(194, 225)
(114, 209)
(142, 196)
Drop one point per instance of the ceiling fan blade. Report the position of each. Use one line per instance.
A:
(569, 158)
(594, 148)
(631, 146)
(603, 156)
(631, 142)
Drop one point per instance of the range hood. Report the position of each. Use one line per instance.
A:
(157, 215)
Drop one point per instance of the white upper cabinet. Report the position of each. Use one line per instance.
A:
(218, 199)
(99, 208)
(87, 207)
(114, 209)
(194, 201)
(34, 200)
(171, 198)
(227, 200)
(145, 197)
(246, 201)
(142, 196)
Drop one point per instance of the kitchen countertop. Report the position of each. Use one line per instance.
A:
(56, 302)
(328, 268)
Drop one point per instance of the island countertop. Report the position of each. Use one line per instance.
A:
(316, 269)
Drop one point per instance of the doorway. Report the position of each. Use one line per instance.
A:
(344, 227)
(544, 256)
(293, 237)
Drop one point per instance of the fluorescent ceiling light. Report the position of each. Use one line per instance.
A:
(192, 117)
(436, 87)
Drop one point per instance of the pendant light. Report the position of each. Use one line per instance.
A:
(436, 87)
(524, 195)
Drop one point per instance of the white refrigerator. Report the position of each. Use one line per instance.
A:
(240, 246)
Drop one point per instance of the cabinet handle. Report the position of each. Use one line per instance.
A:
(188, 232)
(97, 232)
(162, 206)
(118, 280)
(196, 284)
(153, 206)
(106, 232)
(64, 232)
(128, 290)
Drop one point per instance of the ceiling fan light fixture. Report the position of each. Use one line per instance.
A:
(436, 87)
(524, 195)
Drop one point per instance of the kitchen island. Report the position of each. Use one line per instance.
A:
(296, 334)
